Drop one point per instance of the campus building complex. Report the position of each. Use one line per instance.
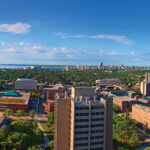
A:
(124, 99)
(141, 114)
(26, 84)
(14, 100)
(124, 102)
(49, 94)
(111, 81)
(82, 122)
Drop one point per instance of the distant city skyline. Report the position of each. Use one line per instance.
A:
(75, 32)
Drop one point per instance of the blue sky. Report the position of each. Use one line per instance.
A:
(75, 32)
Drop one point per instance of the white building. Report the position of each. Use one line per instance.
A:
(145, 88)
(26, 84)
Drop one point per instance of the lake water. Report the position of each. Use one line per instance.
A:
(25, 66)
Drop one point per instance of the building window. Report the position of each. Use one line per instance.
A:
(97, 107)
(79, 145)
(97, 119)
(82, 108)
(97, 125)
(97, 149)
(97, 113)
(82, 120)
(81, 138)
(97, 131)
(82, 114)
(81, 126)
(82, 132)
(96, 143)
(96, 137)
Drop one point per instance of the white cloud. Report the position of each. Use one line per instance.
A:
(112, 53)
(10, 50)
(28, 44)
(116, 38)
(69, 56)
(35, 47)
(64, 49)
(3, 43)
(132, 53)
(21, 43)
(101, 52)
(18, 28)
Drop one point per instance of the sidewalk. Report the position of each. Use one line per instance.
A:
(45, 135)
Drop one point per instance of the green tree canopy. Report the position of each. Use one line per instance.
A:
(51, 118)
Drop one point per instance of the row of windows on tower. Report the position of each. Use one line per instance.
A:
(87, 114)
(87, 120)
(86, 144)
(87, 132)
(87, 108)
(86, 138)
(87, 126)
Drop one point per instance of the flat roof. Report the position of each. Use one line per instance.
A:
(125, 98)
(22, 99)
(50, 88)
(12, 93)
(23, 79)
(146, 108)
(143, 100)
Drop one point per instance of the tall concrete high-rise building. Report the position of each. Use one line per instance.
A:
(147, 77)
(100, 66)
(82, 122)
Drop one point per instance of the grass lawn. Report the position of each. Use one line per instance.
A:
(49, 130)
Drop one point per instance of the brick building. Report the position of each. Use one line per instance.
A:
(124, 102)
(49, 94)
(141, 114)
(14, 100)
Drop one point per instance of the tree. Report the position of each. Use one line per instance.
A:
(19, 113)
(116, 108)
(19, 140)
(4, 131)
(134, 139)
(124, 130)
(51, 118)
(32, 113)
(33, 148)
(127, 114)
(51, 144)
(8, 112)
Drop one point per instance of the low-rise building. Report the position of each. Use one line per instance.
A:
(49, 94)
(144, 101)
(141, 114)
(111, 81)
(124, 102)
(124, 99)
(26, 84)
(14, 100)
